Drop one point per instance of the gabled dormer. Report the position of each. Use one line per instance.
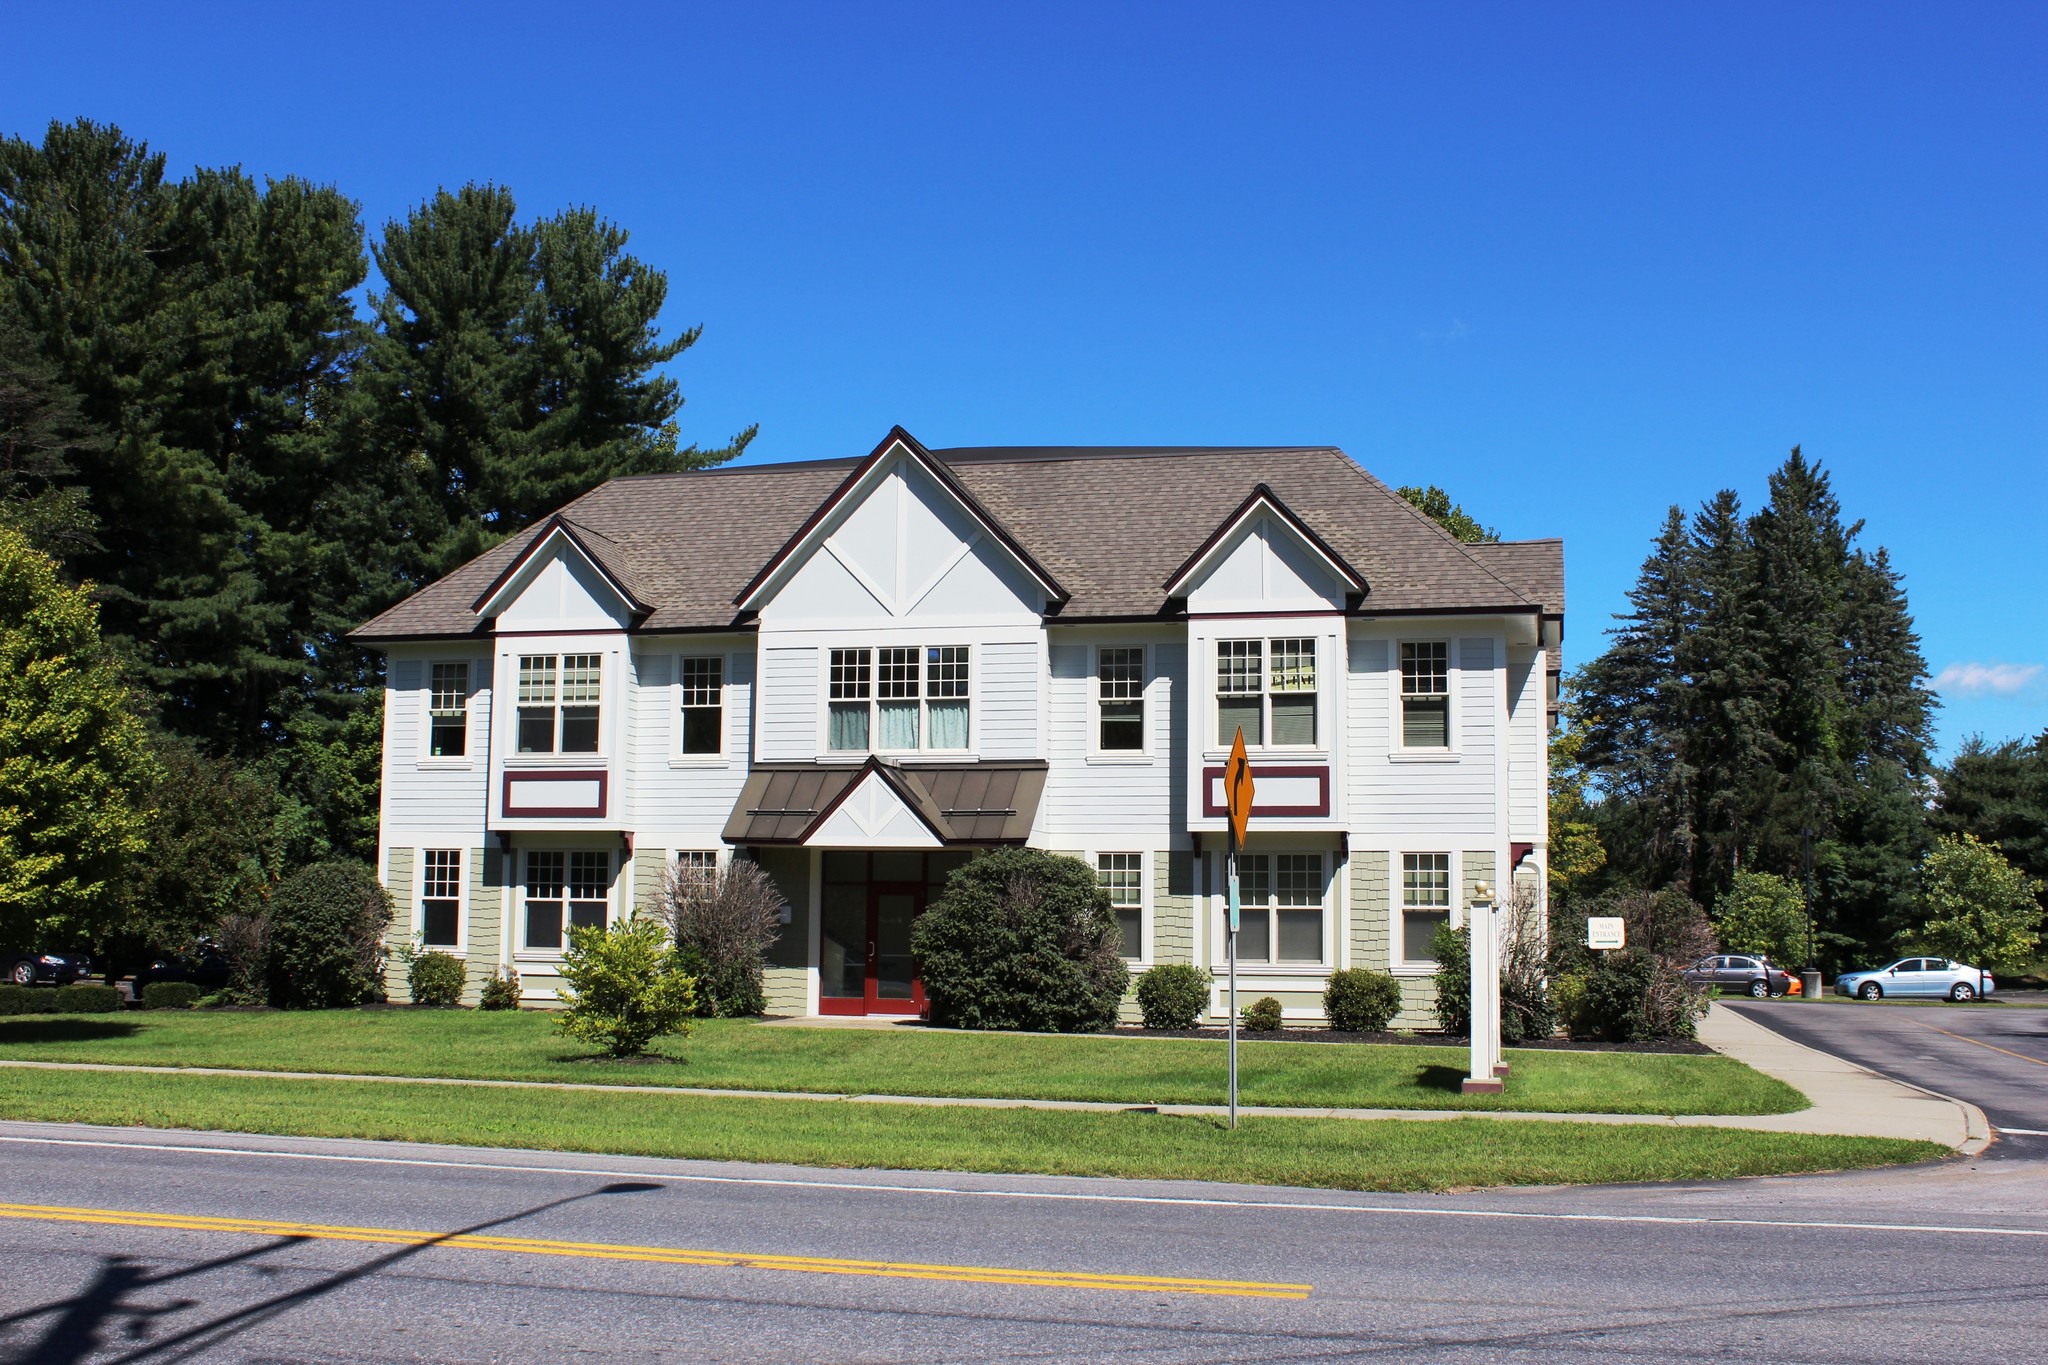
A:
(1264, 558)
(567, 578)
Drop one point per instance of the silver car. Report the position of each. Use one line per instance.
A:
(1917, 977)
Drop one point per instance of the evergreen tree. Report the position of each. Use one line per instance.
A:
(1726, 736)
(41, 432)
(1999, 794)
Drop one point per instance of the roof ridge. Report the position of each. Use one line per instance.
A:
(1380, 485)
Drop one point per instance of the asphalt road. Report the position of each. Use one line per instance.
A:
(1995, 1056)
(491, 1255)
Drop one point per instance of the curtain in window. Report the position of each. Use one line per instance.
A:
(849, 728)
(948, 725)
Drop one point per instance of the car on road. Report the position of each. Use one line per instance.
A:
(56, 969)
(1741, 974)
(1917, 978)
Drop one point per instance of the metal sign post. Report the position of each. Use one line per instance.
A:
(1237, 791)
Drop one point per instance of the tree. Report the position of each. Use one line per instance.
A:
(1977, 907)
(326, 937)
(1999, 793)
(627, 986)
(1762, 914)
(74, 759)
(41, 432)
(1436, 504)
(724, 921)
(1575, 852)
(214, 846)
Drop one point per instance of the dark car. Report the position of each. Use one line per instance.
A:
(55, 969)
(1740, 973)
(204, 967)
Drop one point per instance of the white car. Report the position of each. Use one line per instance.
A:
(1917, 977)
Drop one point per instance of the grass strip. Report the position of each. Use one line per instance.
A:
(734, 1054)
(1389, 1154)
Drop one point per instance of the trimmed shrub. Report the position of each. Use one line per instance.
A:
(81, 998)
(1022, 939)
(26, 1000)
(327, 927)
(1617, 987)
(1453, 951)
(436, 979)
(1262, 1015)
(626, 987)
(170, 995)
(501, 992)
(1174, 995)
(725, 922)
(1360, 1000)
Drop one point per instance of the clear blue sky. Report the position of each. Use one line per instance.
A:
(1572, 262)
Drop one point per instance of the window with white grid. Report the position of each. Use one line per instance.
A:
(1426, 694)
(897, 690)
(898, 698)
(1240, 699)
(696, 869)
(703, 704)
(1425, 903)
(565, 890)
(440, 897)
(1122, 876)
(448, 711)
(1281, 907)
(945, 697)
(1293, 692)
(849, 693)
(1267, 688)
(559, 702)
(1120, 699)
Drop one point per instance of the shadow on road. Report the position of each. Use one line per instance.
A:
(82, 1321)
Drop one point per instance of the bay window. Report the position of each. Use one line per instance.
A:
(559, 696)
(1268, 689)
(565, 890)
(897, 699)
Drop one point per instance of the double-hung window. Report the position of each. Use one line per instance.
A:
(696, 871)
(1120, 699)
(1281, 898)
(448, 711)
(441, 897)
(897, 699)
(1268, 689)
(1426, 694)
(559, 697)
(1122, 876)
(703, 686)
(565, 891)
(1425, 903)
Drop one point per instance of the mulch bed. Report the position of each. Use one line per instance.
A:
(1323, 1035)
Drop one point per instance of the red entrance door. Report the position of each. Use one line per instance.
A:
(870, 900)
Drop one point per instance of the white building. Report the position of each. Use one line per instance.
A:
(859, 671)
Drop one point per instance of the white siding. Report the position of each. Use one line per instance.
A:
(1115, 798)
(1392, 794)
(1527, 776)
(1007, 726)
(428, 795)
(789, 703)
(676, 796)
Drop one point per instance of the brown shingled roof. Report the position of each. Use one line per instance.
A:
(1110, 523)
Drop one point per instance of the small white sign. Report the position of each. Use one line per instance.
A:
(1604, 931)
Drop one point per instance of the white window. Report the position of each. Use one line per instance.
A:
(897, 699)
(558, 702)
(1425, 903)
(448, 711)
(703, 701)
(1274, 705)
(1122, 876)
(565, 891)
(697, 867)
(441, 897)
(1280, 896)
(1120, 700)
(1426, 694)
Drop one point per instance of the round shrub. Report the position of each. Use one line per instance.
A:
(1617, 988)
(170, 995)
(81, 998)
(625, 987)
(501, 992)
(436, 979)
(1022, 939)
(1360, 1000)
(1173, 995)
(327, 927)
(1262, 1015)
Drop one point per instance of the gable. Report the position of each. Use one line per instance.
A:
(903, 545)
(872, 815)
(559, 589)
(1264, 565)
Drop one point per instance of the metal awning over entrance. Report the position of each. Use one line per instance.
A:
(883, 803)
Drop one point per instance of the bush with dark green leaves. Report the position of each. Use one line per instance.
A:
(1360, 1000)
(501, 992)
(1453, 951)
(83, 998)
(624, 987)
(26, 1000)
(327, 926)
(1022, 939)
(1262, 1015)
(436, 979)
(170, 995)
(1173, 995)
(1632, 996)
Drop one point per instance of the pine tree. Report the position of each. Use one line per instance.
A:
(41, 435)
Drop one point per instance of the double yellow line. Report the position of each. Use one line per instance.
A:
(608, 1251)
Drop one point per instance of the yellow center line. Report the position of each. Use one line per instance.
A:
(1964, 1037)
(607, 1251)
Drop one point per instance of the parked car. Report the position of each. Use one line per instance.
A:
(204, 967)
(56, 969)
(1740, 973)
(1917, 976)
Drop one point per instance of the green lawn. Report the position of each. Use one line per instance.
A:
(738, 1055)
(1387, 1154)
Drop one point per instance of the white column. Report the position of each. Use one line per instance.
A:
(1485, 938)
